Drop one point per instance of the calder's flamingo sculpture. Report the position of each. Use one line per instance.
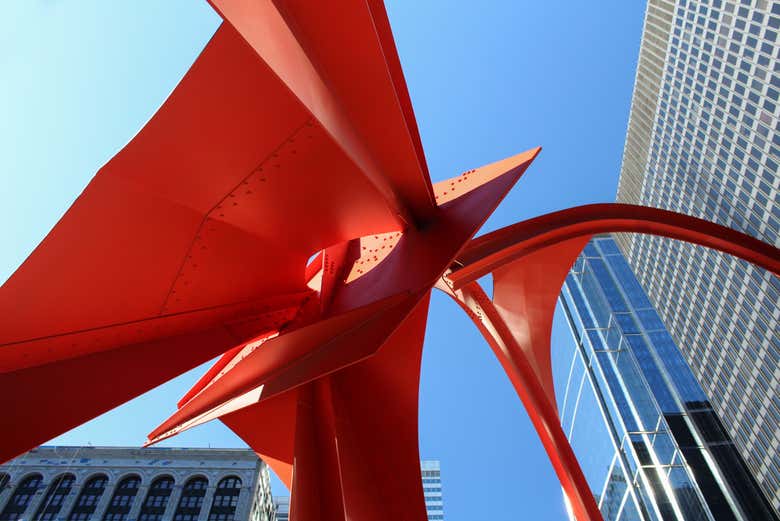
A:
(293, 135)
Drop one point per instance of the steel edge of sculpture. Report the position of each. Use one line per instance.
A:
(163, 263)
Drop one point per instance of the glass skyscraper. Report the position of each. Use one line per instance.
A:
(704, 139)
(648, 440)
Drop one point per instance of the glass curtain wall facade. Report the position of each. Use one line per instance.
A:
(649, 443)
(704, 139)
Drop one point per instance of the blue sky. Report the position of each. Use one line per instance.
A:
(487, 80)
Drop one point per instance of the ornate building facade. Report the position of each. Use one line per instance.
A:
(134, 484)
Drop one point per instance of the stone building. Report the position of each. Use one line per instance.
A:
(134, 484)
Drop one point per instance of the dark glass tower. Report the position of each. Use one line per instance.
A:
(650, 444)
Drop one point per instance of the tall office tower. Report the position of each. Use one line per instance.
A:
(704, 139)
(132, 484)
(431, 478)
(282, 508)
(649, 443)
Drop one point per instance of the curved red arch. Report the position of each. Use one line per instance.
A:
(490, 251)
(520, 369)
(529, 262)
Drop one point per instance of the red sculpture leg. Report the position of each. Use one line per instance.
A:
(316, 491)
(375, 412)
(350, 451)
(529, 262)
(521, 369)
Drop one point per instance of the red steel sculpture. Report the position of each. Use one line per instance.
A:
(291, 136)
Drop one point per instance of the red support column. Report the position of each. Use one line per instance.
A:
(529, 388)
(316, 493)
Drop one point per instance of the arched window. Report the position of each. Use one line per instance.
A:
(122, 500)
(191, 500)
(55, 496)
(156, 499)
(225, 499)
(18, 502)
(88, 498)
